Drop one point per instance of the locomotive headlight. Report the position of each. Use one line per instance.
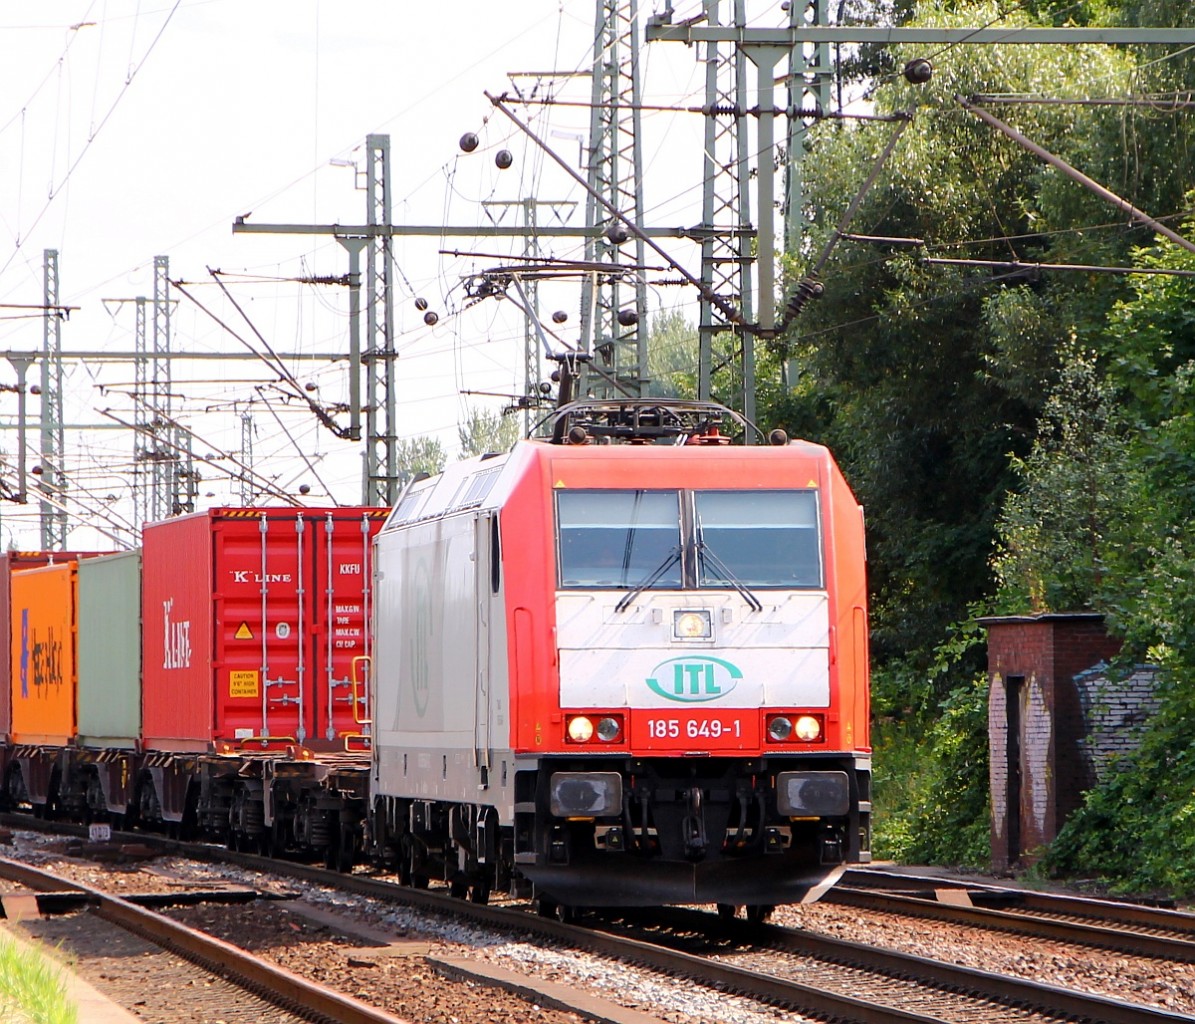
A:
(780, 728)
(696, 624)
(585, 794)
(609, 729)
(580, 729)
(808, 728)
(813, 794)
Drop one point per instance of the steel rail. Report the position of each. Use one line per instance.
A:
(273, 983)
(1056, 1001)
(997, 989)
(1101, 922)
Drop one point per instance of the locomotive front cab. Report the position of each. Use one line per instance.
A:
(709, 743)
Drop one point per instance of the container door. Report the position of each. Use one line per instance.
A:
(344, 597)
(43, 654)
(264, 570)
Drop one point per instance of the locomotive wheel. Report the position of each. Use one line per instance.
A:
(727, 911)
(458, 888)
(560, 911)
(410, 870)
(758, 913)
(480, 893)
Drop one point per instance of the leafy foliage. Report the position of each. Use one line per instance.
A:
(1020, 439)
(672, 356)
(931, 782)
(1103, 520)
(487, 431)
(417, 455)
(923, 379)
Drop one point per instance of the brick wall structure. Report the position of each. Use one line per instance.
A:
(1041, 760)
(1115, 707)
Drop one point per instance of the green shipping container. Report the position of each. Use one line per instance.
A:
(109, 650)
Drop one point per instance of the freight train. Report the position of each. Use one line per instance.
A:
(624, 665)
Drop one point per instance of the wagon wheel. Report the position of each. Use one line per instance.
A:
(341, 851)
(238, 840)
(277, 837)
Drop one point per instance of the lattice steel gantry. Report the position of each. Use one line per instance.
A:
(614, 334)
(52, 485)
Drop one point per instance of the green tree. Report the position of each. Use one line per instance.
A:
(486, 431)
(672, 356)
(923, 379)
(1057, 531)
(417, 455)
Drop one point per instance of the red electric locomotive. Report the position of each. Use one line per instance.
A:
(624, 673)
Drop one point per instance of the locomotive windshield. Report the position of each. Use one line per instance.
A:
(669, 540)
(618, 538)
(757, 538)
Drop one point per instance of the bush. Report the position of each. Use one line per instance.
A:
(930, 782)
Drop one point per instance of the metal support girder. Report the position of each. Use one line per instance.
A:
(613, 329)
(53, 475)
(726, 257)
(533, 348)
(381, 429)
(142, 406)
(810, 73)
(806, 41)
(248, 432)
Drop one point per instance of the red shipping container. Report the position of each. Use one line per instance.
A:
(251, 620)
(10, 561)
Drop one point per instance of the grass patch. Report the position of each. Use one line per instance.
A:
(32, 987)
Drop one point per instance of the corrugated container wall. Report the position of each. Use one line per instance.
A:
(252, 618)
(109, 650)
(10, 561)
(42, 656)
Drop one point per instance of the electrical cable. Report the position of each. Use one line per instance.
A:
(56, 190)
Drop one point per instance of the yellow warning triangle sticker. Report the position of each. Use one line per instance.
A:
(244, 632)
(812, 484)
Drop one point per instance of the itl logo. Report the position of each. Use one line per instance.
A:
(176, 639)
(694, 680)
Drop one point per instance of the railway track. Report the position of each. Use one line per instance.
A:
(229, 966)
(811, 973)
(1103, 924)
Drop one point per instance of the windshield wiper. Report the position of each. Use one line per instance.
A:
(704, 552)
(672, 557)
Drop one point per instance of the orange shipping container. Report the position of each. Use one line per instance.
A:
(42, 654)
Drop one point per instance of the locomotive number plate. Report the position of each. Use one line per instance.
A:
(730, 729)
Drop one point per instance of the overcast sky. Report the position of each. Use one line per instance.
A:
(131, 129)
